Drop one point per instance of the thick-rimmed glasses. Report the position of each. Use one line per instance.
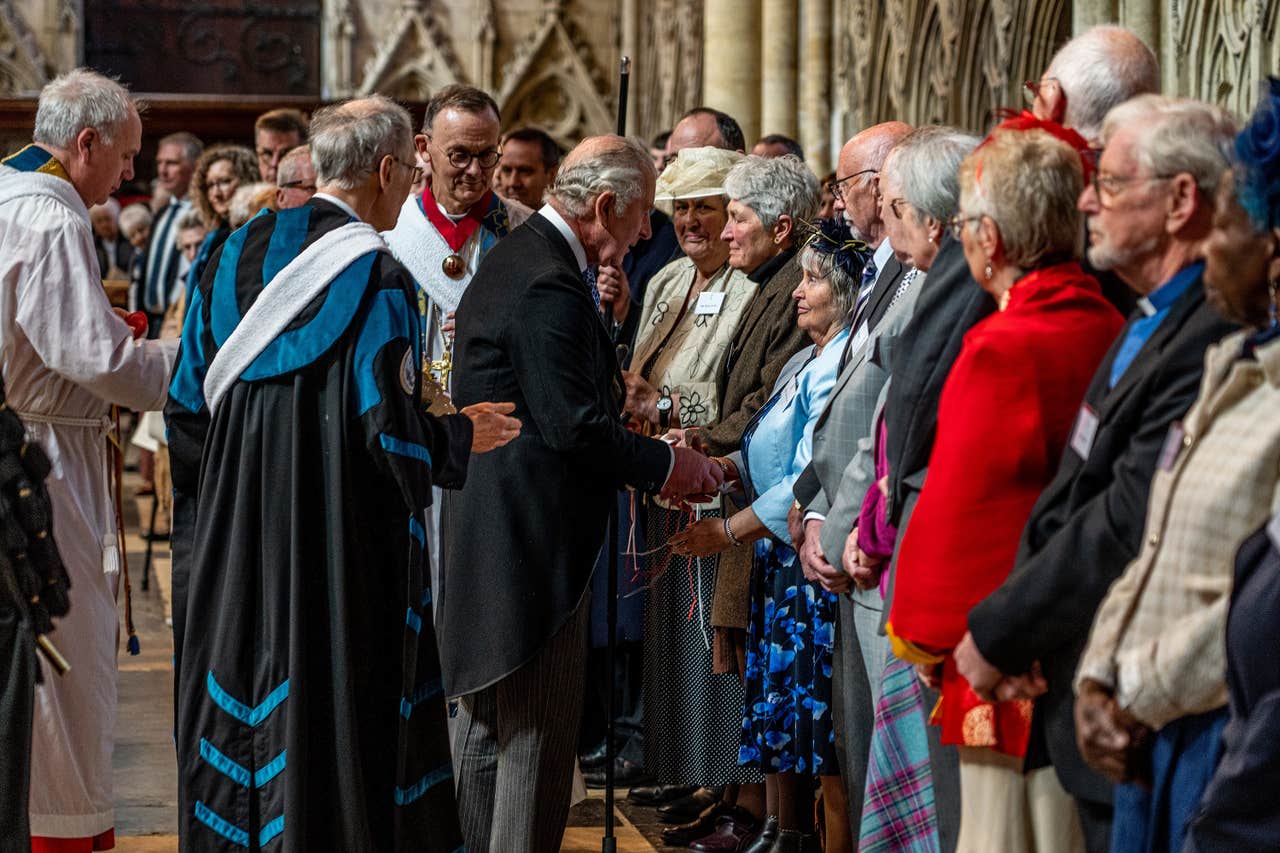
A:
(1031, 88)
(460, 158)
(837, 191)
(300, 185)
(957, 223)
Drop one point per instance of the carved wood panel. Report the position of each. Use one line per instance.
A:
(230, 47)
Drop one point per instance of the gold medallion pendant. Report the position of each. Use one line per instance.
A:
(435, 386)
(453, 266)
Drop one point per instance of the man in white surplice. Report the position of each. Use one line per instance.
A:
(66, 357)
(442, 234)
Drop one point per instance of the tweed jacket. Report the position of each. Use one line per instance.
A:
(844, 441)
(1159, 639)
(765, 340)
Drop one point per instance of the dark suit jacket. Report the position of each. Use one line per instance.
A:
(949, 305)
(522, 537)
(1087, 526)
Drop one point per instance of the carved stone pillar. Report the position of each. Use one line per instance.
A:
(1089, 13)
(731, 64)
(1143, 17)
(815, 83)
(779, 37)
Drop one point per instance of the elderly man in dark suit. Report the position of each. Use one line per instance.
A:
(524, 534)
(1087, 525)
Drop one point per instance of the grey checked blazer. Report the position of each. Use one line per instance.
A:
(843, 446)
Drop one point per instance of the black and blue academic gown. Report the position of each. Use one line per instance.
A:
(309, 706)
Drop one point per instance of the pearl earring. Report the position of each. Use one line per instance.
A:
(988, 271)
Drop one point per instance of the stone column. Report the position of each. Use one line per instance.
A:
(779, 34)
(1088, 13)
(815, 83)
(731, 61)
(1143, 17)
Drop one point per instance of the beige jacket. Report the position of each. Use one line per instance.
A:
(1159, 638)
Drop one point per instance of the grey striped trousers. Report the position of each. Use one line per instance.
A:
(514, 745)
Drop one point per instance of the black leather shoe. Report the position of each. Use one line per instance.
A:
(656, 795)
(624, 773)
(701, 826)
(594, 759)
(767, 838)
(791, 841)
(688, 807)
(733, 832)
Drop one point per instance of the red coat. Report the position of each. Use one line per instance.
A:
(1004, 418)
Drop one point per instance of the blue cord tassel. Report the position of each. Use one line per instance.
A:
(135, 648)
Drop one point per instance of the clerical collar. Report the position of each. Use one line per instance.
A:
(455, 218)
(1166, 294)
(553, 216)
(340, 204)
(33, 158)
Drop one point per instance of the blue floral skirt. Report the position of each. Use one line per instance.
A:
(786, 724)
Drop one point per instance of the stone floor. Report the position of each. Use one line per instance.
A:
(145, 769)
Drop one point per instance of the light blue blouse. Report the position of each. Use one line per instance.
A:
(782, 443)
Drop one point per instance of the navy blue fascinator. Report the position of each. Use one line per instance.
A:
(832, 237)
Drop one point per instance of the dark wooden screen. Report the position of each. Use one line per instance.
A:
(219, 47)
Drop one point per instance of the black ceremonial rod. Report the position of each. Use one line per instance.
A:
(609, 844)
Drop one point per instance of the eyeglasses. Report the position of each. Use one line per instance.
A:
(893, 205)
(414, 169)
(222, 183)
(837, 191)
(460, 158)
(1109, 187)
(299, 185)
(1031, 88)
(957, 223)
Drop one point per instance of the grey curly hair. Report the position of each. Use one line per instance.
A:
(774, 187)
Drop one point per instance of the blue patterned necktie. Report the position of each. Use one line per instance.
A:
(589, 276)
(155, 297)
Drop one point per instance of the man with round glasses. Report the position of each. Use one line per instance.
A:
(444, 232)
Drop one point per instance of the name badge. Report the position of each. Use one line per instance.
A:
(1172, 444)
(709, 303)
(1085, 430)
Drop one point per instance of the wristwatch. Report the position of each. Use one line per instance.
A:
(664, 412)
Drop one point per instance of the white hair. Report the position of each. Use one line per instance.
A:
(774, 187)
(349, 140)
(78, 99)
(1099, 69)
(926, 163)
(290, 164)
(134, 218)
(111, 206)
(623, 167)
(1177, 135)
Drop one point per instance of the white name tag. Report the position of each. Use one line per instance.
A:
(709, 303)
(1085, 430)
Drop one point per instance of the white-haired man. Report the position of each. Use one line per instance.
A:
(1097, 70)
(295, 178)
(524, 535)
(308, 686)
(66, 358)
